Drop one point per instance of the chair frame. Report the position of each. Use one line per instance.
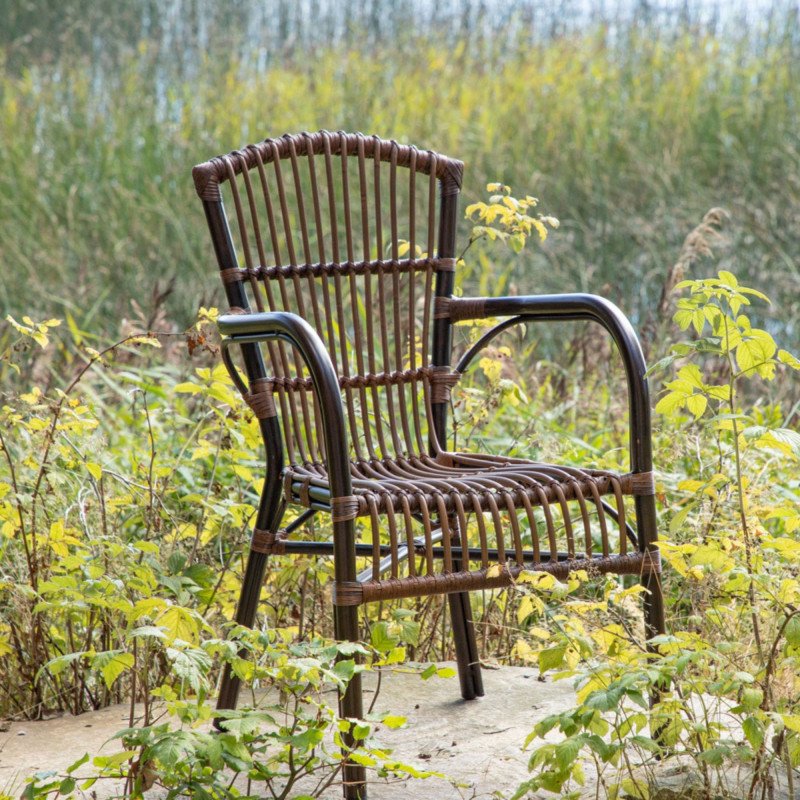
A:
(247, 331)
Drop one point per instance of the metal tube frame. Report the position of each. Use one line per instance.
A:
(568, 307)
(279, 325)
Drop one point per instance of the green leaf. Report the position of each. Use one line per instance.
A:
(646, 743)
(361, 731)
(714, 756)
(57, 665)
(753, 730)
(112, 664)
(393, 721)
(792, 631)
(306, 740)
(567, 751)
(517, 242)
(79, 763)
(428, 672)
(381, 639)
(677, 521)
(752, 697)
(114, 760)
(190, 665)
(345, 670)
(552, 658)
(171, 749)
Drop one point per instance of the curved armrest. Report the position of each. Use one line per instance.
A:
(252, 328)
(549, 307)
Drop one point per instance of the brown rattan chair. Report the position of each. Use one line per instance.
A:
(339, 271)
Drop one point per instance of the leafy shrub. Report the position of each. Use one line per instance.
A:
(724, 685)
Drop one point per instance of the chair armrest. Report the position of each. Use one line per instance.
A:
(552, 307)
(243, 329)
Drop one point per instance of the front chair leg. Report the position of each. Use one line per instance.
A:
(245, 615)
(351, 704)
(653, 601)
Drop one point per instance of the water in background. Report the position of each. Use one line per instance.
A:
(187, 32)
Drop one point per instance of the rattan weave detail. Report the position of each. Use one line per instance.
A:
(268, 542)
(209, 175)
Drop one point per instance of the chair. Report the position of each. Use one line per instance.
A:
(338, 263)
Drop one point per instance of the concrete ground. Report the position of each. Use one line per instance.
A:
(477, 744)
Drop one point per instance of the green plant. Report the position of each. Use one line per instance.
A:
(288, 743)
(726, 678)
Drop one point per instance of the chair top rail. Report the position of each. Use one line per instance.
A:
(210, 174)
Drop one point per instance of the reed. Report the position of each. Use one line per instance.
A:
(628, 131)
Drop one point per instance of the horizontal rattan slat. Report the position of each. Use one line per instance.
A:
(235, 275)
(354, 593)
(434, 374)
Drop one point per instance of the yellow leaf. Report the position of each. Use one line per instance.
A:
(697, 404)
(791, 721)
(178, 623)
(494, 571)
(491, 367)
(670, 402)
(188, 388)
(151, 341)
(95, 470)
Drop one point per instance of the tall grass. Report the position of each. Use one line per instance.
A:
(628, 131)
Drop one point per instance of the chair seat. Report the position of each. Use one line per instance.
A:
(472, 481)
(424, 505)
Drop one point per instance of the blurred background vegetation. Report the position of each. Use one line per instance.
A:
(629, 118)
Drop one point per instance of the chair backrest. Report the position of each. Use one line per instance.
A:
(349, 232)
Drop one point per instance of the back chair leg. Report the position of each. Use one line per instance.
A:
(351, 704)
(469, 667)
(467, 657)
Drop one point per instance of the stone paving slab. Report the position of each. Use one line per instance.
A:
(476, 743)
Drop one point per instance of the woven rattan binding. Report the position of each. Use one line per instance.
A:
(269, 542)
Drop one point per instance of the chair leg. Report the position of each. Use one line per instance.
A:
(655, 624)
(653, 603)
(245, 615)
(351, 704)
(469, 667)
